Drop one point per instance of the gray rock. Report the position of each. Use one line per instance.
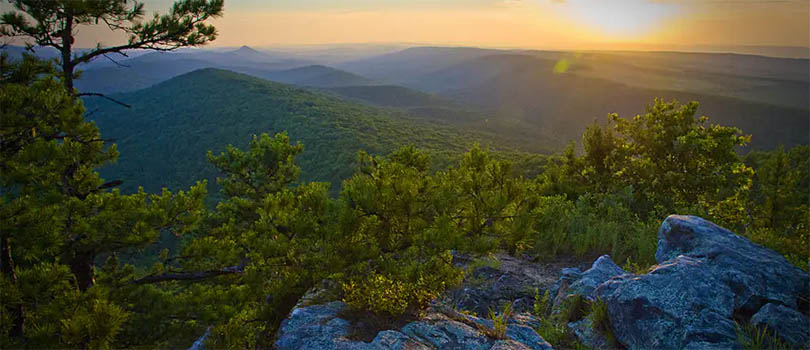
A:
(756, 274)
(787, 323)
(706, 276)
(559, 290)
(320, 327)
(588, 336)
(396, 341)
(677, 303)
(574, 281)
(602, 270)
(199, 344)
(317, 327)
(492, 289)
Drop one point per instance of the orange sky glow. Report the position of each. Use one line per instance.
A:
(539, 24)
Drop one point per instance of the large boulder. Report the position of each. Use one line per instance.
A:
(706, 279)
(790, 324)
(757, 275)
(676, 304)
(322, 327)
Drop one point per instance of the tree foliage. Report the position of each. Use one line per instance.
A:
(60, 218)
(54, 23)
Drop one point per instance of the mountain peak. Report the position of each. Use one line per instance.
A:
(247, 50)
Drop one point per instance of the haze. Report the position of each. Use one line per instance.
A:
(537, 24)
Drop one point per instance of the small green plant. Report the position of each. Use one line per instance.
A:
(634, 267)
(556, 333)
(574, 308)
(759, 338)
(601, 321)
(554, 328)
(541, 303)
(499, 321)
(489, 260)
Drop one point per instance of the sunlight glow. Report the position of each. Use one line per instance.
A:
(620, 19)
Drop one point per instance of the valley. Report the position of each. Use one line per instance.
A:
(440, 99)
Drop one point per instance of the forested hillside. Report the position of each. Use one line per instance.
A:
(554, 95)
(163, 139)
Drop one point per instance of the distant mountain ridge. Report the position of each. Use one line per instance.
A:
(164, 137)
(149, 69)
(524, 92)
(316, 76)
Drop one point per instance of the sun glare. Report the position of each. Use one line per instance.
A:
(620, 19)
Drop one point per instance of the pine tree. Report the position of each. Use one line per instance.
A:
(54, 23)
(60, 219)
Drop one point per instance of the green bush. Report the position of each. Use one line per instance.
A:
(541, 303)
(380, 294)
(500, 321)
(554, 327)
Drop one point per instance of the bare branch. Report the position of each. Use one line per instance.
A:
(190, 276)
(104, 96)
(119, 64)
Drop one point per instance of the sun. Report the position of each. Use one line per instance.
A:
(620, 19)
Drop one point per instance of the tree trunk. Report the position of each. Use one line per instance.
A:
(7, 266)
(82, 267)
(66, 52)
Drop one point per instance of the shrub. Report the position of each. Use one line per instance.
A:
(554, 328)
(401, 286)
(500, 321)
(556, 333)
(574, 308)
(381, 294)
(541, 304)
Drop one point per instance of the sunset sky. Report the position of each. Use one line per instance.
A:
(551, 24)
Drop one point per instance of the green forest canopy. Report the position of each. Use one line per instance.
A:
(387, 237)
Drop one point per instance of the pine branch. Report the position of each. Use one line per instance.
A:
(190, 276)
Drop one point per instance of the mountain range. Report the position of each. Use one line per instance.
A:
(523, 103)
(164, 137)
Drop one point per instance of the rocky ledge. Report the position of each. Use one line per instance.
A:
(707, 279)
(321, 327)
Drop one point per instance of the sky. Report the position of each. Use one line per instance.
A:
(539, 24)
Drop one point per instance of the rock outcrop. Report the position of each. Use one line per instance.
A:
(790, 324)
(320, 322)
(511, 280)
(320, 327)
(573, 281)
(706, 279)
